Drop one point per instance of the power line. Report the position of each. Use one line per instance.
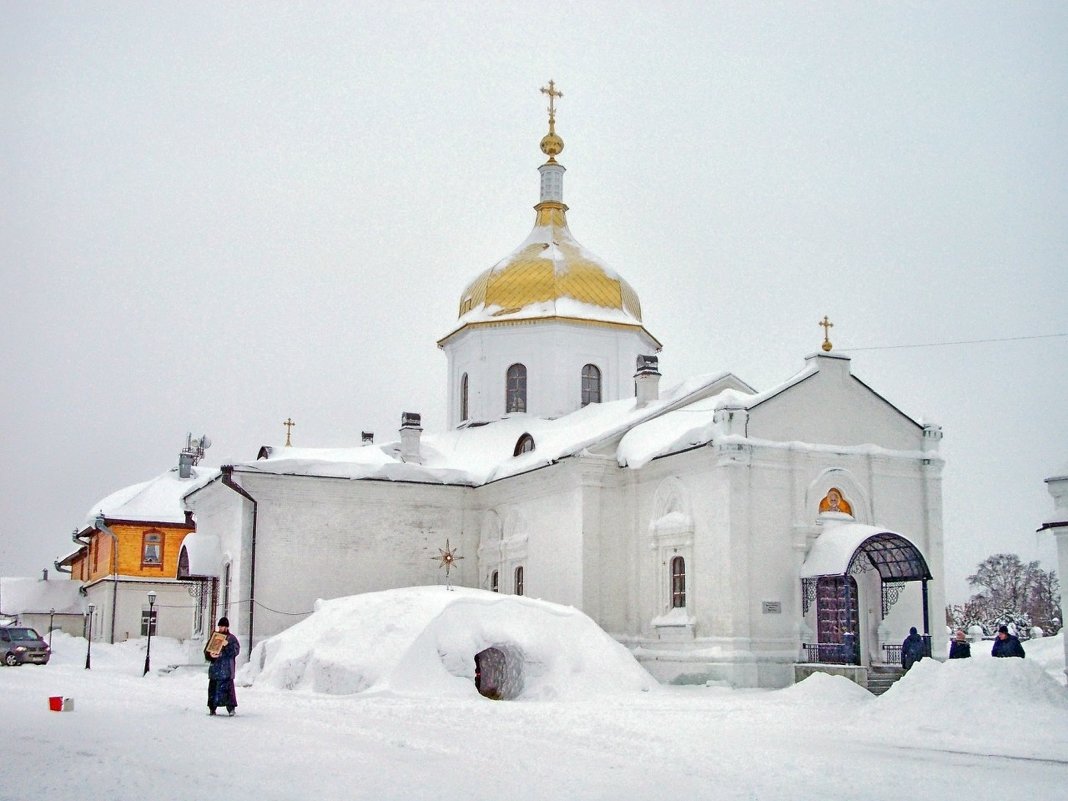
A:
(956, 342)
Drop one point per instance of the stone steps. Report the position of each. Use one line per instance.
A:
(881, 678)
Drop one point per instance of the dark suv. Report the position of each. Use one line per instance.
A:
(19, 645)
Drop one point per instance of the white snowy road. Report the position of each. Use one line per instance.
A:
(130, 737)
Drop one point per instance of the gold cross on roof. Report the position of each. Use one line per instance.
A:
(827, 325)
(552, 92)
(289, 429)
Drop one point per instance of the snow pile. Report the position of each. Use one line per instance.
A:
(1047, 653)
(961, 698)
(823, 689)
(423, 641)
(122, 657)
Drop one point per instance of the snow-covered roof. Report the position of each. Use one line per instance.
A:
(478, 454)
(204, 553)
(20, 596)
(158, 500)
(895, 555)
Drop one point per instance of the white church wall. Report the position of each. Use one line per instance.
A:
(832, 407)
(554, 354)
(325, 538)
(540, 519)
(219, 511)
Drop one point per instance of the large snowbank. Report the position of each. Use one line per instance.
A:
(423, 640)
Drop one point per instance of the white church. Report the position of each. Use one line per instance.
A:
(721, 533)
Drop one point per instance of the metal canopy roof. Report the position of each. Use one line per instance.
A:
(839, 549)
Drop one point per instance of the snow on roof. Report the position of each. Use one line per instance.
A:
(204, 552)
(565, 307)
(477, 454)
(423, 641)
(158, 500)
(21, 596)
(835, 546)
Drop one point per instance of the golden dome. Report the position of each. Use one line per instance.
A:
(551, 275)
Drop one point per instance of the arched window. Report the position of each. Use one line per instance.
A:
(463, 397)
(678, 583)
(591, 384)
(151, 549)
(525, 444)
(519, 580)
(515, 399)
(495, 581)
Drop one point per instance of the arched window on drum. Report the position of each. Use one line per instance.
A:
(515, 399)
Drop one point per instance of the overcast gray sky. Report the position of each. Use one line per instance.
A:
(216, 215)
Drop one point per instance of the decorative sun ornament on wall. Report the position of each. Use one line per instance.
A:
(447, 556)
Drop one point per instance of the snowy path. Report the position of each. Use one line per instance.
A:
(150, 738)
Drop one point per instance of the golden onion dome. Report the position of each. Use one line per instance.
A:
(550, 275)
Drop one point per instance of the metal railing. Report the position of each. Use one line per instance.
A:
(832, 653)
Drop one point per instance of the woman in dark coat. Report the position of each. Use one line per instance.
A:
(1006, 644)
(222, 670)
(959, 648)
(912, 649)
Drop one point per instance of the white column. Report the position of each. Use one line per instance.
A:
(1057, 525)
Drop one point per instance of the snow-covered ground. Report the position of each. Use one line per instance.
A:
(977, 729)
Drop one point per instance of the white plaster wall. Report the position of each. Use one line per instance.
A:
(554, 354)
(832, 407)
(326, 538)
(223, 513)
(541, 521)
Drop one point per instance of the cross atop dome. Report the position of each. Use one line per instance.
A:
(551, 144)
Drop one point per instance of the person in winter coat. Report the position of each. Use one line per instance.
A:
(959, 648)
(222, 670)
(1006, 644)
(912, 649)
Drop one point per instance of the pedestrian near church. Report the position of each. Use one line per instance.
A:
(960, 648)
(1006, 644)
(912, 649)
(221, 651)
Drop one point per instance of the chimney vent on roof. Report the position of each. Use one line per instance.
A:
(647, 380)
(44, 575)
(410, 432)
(185, 464)
(368, 437)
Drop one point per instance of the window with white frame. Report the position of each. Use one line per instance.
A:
(516, 389)
(591, 384)
(678, 583)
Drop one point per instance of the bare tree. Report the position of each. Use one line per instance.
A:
(1011, 591)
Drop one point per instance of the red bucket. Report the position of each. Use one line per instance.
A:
(55, 703)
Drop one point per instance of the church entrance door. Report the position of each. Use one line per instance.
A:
(838, 620)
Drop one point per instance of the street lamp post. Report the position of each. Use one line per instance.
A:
(151, 621)
(51, 617)
(89, 636)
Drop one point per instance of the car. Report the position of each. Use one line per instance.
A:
(19, 645)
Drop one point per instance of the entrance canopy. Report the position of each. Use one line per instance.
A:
(839, 547)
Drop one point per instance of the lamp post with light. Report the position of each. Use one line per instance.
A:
(151, 622)
(51, 617)
(89, 636)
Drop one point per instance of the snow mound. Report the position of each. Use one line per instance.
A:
(962, 697)
(1048, 653)
(822, 689)
(423, 641)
